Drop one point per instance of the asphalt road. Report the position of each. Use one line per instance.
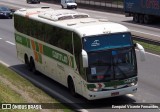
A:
(149, 31)
(149, 75)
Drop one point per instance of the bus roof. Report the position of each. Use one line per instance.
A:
(78, 22)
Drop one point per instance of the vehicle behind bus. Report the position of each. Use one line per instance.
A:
(142, 11)
(33, 1)
(69, 4)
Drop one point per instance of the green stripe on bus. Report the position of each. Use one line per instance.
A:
(52, 53)
(59, 56)
(114, 83)
(28, 43)
(91, 86)
(22, 40)
(40, 58)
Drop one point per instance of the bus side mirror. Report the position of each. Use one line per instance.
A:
(142, 51)
(85, 58)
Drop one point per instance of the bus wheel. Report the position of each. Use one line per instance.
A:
(71, 87)
(26, 60)
(32, 65)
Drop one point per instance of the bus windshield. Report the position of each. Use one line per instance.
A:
(109, 41)
(115, 63)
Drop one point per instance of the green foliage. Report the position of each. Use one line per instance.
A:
(16, 89)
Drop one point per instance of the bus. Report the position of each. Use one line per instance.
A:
(92, 57)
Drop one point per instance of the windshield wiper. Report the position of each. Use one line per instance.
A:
(120, 70)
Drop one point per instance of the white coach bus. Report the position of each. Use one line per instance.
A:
(92, 57)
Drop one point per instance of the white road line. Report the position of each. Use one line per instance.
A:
(153, 54)
(145, 33)
(150, 54)
(11, 43)
(3, 63)
(0, 38)
(130, 95)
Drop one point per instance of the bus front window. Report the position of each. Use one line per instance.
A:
(110, 57)
(110, 65)
(124, 63)
(100, 66)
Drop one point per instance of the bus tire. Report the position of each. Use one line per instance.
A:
(26, 60)
(71, 87)
(62, 6)
(32, 65)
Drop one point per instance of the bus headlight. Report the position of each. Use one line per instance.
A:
(132, 84)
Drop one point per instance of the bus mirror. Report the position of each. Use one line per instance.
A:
(142, 51)
(85, 58)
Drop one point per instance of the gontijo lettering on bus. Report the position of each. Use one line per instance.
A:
(59, 56)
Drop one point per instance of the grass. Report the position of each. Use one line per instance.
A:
(149, 47)
(16, 89)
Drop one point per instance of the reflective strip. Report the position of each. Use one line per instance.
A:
(36, 56)
(33, 45)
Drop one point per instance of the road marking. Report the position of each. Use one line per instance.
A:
(0, 38)
(150, 54)
(82, 110)
(3, 63)
(130, 95)
(153, 54)
(145, 33)
(10, 43)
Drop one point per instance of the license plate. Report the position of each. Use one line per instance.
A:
(115, 94)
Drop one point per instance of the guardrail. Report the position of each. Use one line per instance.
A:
(105, 5)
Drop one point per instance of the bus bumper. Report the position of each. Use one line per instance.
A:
(106, 94)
